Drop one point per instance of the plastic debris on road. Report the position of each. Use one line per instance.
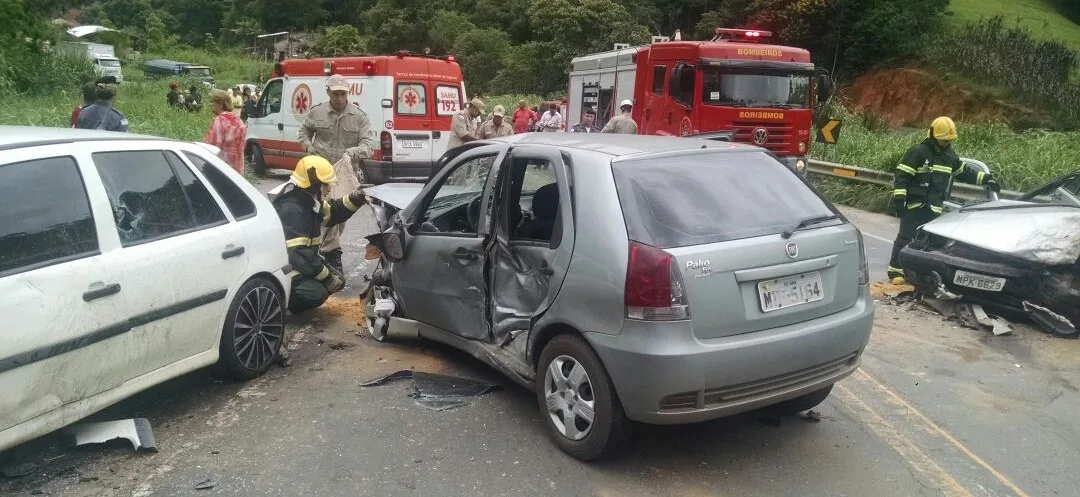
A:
(136, 430)
(437, 392)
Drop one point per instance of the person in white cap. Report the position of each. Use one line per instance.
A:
(336, 130)
(622, 123)
(497, 126)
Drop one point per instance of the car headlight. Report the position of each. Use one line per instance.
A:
(800, 165)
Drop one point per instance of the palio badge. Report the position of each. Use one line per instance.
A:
(703, 267)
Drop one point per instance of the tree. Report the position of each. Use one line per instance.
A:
(445, 29)
(509, 16)
(127, 13)
(338, 41)
(93, 14)
(275, 15)
(481, 53)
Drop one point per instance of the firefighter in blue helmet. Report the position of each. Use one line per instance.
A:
(921, 184)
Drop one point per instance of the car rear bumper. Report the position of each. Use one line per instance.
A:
(379, 172)
(665, 375)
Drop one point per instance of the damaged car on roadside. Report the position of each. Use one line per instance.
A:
(626, 278)
(1020, 258)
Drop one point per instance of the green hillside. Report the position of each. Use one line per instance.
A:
(1039, 16)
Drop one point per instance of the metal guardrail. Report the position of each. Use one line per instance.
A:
(961, 191)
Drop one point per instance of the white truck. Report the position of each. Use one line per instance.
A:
(101, 55)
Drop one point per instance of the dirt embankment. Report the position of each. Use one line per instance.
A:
(913, 97)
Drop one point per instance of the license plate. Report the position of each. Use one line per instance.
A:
(791, 291)
(412, 144)
(979, 281)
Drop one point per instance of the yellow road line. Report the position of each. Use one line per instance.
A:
(944, 434)
(933, 473)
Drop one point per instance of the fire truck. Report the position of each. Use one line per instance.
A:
(732, 87)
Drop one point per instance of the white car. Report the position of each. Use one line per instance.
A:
(126, 261)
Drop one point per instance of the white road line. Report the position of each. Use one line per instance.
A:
(875, 237)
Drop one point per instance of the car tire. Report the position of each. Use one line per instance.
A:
(253, 331)
(803, 403)
(258, 163)
(608, 428)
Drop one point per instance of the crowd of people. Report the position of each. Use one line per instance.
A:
(468, 125)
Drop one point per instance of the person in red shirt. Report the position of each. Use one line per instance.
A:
(89, 92)
(524, 118)
(227, 132)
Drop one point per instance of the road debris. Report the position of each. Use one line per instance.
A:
(812, 416)
(1051, 321)
(136, 430)
(340, 346)
(969, 315)
(206, 484)
(437, 392)
(19, 470)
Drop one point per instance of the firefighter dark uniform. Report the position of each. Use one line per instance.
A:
(922, 182)
(303, 214)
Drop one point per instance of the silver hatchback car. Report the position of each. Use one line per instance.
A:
(651, 279)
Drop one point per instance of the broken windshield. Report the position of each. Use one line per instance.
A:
(786, 91)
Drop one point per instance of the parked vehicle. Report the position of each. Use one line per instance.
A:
(1020, 258)
(162, 68)
(101, 55)
(626, 277)
(410, 100)
(765, 94)
(139, 260)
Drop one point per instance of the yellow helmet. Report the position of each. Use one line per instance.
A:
(943, 128)
(323, 170)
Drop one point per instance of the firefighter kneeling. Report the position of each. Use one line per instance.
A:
(304, 211)
(921, 184)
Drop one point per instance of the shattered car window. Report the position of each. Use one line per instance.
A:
(449, 208)
(148, 200)
(46, 215)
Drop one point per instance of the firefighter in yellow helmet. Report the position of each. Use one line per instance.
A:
(304, 209)
(921, 184)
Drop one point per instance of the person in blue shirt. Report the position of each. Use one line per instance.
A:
(101, 114)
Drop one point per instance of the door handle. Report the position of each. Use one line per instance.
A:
(546, 270)
(436, 134)
(465, 254)
(102, 292)
(229, 253)
(281, 126)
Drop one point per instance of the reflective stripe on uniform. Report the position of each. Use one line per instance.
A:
(936, 209)
(900, 192)
(326, 213)
(894, 269)
(914, 206)
(325, 273)
(942, 169)
(907, 169)
(348, 203)
(980, 177)
(302, 241)
(292, 274)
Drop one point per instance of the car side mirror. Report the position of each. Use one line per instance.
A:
(393, 243)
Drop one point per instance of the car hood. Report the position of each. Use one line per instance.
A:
(397, 195)
(1046, 234)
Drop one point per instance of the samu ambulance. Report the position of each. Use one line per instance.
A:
(409, 99)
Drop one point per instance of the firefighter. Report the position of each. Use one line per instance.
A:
(463, 128)
(497, 126)
(921, 184)
(336, 130)
(304, 210)
(622, 123)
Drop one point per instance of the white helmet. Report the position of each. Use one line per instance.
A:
(626, 103)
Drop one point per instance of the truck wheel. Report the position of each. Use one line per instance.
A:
(806, 402)
(258, 165)
(577, 400)
(254, 329)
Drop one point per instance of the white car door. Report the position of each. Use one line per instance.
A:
(64, 322)
(183, 255)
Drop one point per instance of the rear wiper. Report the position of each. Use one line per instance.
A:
(810, 221)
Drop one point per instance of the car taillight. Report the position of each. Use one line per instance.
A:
(386, 146)
(864, 269)
(654, 289)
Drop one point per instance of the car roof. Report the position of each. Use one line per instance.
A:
(621, 145)
(13, 137)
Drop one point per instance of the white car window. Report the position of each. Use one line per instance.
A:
(235, 199)
(151, 199)
(47, 218)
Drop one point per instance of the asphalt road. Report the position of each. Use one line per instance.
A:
(934, 410)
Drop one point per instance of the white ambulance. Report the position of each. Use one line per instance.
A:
(410, 100)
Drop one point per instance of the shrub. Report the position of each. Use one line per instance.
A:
(25, 70)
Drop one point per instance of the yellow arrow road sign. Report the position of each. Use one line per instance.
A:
(829, 132)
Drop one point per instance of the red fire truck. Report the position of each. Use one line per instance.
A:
(733, 85)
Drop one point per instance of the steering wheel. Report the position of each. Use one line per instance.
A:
(472, 213)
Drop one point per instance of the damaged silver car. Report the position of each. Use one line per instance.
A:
(1018, 257)
(658, 280)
